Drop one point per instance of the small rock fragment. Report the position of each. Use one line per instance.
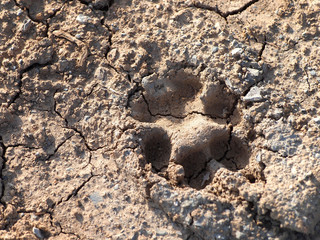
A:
(254, 95)
(26, 26)
(259, 157)
(95, 198)
(254, 72)
(313, 73)
(276, 113)
(63, 65)
(215, 49)
(317, 120)
(37, 232)
(83, 19)
(161, 232)
(236, 52)
(194, 59)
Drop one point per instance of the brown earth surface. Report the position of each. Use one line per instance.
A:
(149, 119)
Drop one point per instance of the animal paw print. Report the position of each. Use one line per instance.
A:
(186, 135)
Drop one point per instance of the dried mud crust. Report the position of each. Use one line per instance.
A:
(159, 119)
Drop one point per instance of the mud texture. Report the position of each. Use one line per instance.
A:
(154, 119)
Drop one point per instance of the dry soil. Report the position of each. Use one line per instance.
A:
(150, 119)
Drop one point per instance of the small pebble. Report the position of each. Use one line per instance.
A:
(235, 43)
(194, 59)
(236, 52)
(19, 12)
(258, 157)
(83, 19)
(239, 234)
(313, 73)
(254, 72)
(215, 49)
(26, 25)
(253, 95)
(95, 198)
(37, 232)
(317, 120)
(161, 232)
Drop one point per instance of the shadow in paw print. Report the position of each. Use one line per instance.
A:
(219, 146)
(157, 148)
(237, 157)
(218, 101)
(194, 166)
(139, 108)
(232, 153)
(178, 89)
(166, 96)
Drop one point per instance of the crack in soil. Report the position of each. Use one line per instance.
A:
(27, 10)
(89, 162)
(57, 224)
(55, 108)
(92, 89)
(71, 127)
(225, 15)
(178, 117)
(36, 20)
(307, 78)
(45, 21)
(75, 191)
(27, 69)
(229, 144)
(67, 126)
(264, 43)
(109, 40)
(23, 145)
(3, 165)
(84, 139)
(57, 148)
(136, 88)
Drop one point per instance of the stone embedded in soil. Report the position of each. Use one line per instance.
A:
(236, 52)
(254, 95)
(37, 232)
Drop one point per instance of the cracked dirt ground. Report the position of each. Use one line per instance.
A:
(158, 119)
